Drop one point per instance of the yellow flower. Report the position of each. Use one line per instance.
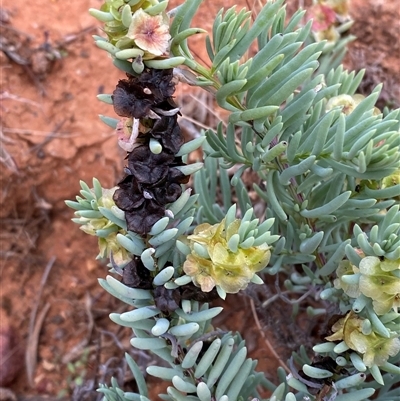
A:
(150, 33)
(107, 239)
(378, 282)
(199, 269)
(375, 349)
(211, 262)
(110, 245)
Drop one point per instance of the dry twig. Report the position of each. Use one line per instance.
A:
(270, 347)
(35, 325)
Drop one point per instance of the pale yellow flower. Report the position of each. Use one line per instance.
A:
(218, 265)
(107, 242)
(374, 348)
(110, 245)
(379, 282)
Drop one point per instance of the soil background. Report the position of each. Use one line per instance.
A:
(56, 339)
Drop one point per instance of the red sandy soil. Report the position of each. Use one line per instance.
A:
(51, 137)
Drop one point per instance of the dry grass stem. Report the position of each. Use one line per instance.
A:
(32, 345)
(267, 343)
(35, 325)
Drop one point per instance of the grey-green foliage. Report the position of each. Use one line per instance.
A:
(319, 168)
(195, 363)
(309, 159)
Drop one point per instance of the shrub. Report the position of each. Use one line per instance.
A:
(327, 166)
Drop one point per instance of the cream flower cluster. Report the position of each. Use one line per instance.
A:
(377, 279)
(212, 263)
